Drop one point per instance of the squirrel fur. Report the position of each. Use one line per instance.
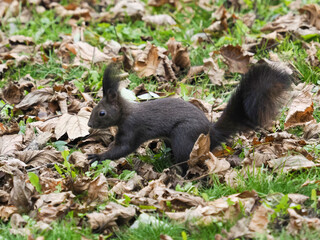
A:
(254, 103)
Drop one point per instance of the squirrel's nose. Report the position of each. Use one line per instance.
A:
(90, 124)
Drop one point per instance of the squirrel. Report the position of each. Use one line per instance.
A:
(254, 103)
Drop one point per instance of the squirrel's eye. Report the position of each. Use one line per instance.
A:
(102, 113)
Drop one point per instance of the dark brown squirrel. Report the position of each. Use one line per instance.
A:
(254, 103)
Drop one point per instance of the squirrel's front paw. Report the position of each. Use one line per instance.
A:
(93, 158)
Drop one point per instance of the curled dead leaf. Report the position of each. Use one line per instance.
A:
(215, 74)
(300, 111)
(98, 190)
(180, 55)
(236, 59)
(313, 14)
(110, 218)
(6, 212)
(21, 193)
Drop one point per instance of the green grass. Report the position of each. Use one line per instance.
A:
(265, 182)
(60, 230)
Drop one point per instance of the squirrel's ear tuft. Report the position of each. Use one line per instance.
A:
(110, 79)
(112, 96)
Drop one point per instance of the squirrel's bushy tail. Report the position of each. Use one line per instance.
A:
(255, 102)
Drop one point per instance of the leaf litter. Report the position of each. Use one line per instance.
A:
(61, 112)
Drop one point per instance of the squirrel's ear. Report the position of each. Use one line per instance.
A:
(112, 96)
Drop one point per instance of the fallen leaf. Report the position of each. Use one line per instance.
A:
(215, 74)
(236, 59)
(199, 151)
(21, 39)
(260, 219)
(35, 97)
(74, 125)
(161, 19)
(298, 198)
(111, 218)
(76, 13)
(289, 163)
(298, 223)
(300, 110)
(98, 190)
(37, 158)
(147, 62)
(53, 206)
(313, 14)
(132, 8)
(89, 53)
(20, 195)
(9, 144)
(6, 212)
(180, 55)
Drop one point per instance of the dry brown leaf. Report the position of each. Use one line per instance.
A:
(17, 221)
(215, 74)
(100, 135)
(215, 165)
(289, 163)
(147, 62)
(241, 230)
(98, 190)
(157, 194)
(180, 55)
(110, 218)
(298, 222)
(161, 19)
(132, 8)
(312, 49)
(9, 144)
(193, 71)
(21, 39)
(199, 151)
(165, 237)
(36, 97)
(158, 3)
(300, 111)
(20, 195)
(298, 198)
(12, 94)
(236, 59)
(260, 219)
(313, 14)
(6, 212)
(306, 183)
(311, 130)
(47, 125)
(75, 13)
(74, 125)
(289, 22)
(261, 155)
(50, 184)
(89, 53)
(53, 206)
(207, 5)
(37, 158)
(230, 177)
(53, 199)
(79, 160)
(222, 209)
